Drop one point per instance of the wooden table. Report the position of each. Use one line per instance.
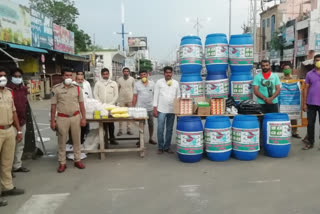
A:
(102, 150)
(228, 115)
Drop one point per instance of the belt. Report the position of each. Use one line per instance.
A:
(68, 115)
(5, 127)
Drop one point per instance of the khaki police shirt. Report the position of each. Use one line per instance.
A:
(6, 107)
(67, 99)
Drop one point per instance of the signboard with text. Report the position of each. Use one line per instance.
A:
(41, 27)
(15, 23)
(63, 39)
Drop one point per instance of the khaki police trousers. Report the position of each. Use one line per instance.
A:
(17, 163)
(7, 147)
(63, 126)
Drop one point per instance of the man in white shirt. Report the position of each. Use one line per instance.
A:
(166, 90)
(143, 98)
(87, 90)
(106, 91)
(126, 86)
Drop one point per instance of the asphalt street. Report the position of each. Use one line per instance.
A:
(125, 183)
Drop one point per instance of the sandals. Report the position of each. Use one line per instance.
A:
(296, 136)
(160, 152)
(307, 146)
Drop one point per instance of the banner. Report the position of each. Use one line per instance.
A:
(317, 46)
(15, 23)
(290, 34)
(137, 41)
(41, 27)
(290, 99)
(63, 39)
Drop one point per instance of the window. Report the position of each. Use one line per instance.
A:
(263, 34)
(273, 24)
(268, 22)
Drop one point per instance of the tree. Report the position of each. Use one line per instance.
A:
(145, 65)
(245, 29)
(64, 13)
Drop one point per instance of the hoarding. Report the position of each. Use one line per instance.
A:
(287, 55)
(317, 45)
(137, 41)
(15, 23)
(63, 39)
(290, 34)
(41, 28)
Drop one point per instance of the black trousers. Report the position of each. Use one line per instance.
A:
(312, 115)
(270, 108)
(109, 127)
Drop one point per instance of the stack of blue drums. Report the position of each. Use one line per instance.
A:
(241, 62)
(277, 134)
(216, 57)
(189, 139)
(190, 65)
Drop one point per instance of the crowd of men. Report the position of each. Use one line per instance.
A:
(68, 115)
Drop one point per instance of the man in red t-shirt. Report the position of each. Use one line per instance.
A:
(20, 101)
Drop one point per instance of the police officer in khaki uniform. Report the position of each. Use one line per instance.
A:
(8, 137)
(67, 102)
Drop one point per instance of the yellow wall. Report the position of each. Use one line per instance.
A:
(29, 65)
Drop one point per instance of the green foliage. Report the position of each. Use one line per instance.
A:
(145, 65)
(276, 42)
(64, 13)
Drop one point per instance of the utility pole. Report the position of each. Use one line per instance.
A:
(229, 19)
(254, 27)
(198, 26)
(122, 33)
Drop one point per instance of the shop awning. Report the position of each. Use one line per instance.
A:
(23, 47)
(72, 57)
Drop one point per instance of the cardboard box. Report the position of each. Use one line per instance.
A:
(218, 106)
(182, 106)
(201, 111)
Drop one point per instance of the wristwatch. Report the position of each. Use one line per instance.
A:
(19, 132)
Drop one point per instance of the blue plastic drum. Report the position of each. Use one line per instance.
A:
(241, 87)
(190, 54)
(245, 137)
(217, 138)
(241, 53)
(216, 86)
(192, 84)
(216, 54)
(189, 139)
(277, 135)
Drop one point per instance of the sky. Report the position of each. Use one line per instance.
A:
(161, 21)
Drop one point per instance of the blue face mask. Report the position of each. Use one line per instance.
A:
(16, 80)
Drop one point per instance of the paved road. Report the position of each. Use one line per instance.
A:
(125, 183)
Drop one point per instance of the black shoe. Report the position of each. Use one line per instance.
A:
(14, 191)
(113, 142)
(21, 169)
(3, 202)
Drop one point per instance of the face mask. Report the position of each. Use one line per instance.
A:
(68, 81)
(80, 84)
(16, 80)
(287, 71)
(318, 64)
(3, 81)
(169, 82)
(144, 79)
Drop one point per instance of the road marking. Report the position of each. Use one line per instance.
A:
(43, 124)
(43, 204)
(192, 193)
(125, 189)
(264, 181)
(44, 129)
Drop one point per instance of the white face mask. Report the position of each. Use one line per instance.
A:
(68, 81)
(16, 80)
(3, 81)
